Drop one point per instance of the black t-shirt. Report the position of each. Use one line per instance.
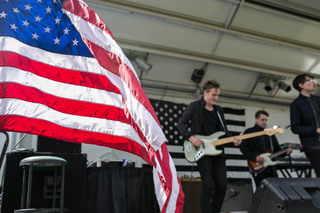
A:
(210, 123)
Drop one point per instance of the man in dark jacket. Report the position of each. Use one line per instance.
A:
(253, 148)
(305, 118)
(207, 118)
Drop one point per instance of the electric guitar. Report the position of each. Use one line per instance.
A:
(257, 167)
(208, 147)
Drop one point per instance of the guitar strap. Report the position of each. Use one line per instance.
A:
(224, 128)
(271, 144)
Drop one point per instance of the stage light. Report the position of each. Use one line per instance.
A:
(284, 86)
(143, 64)
(197, 75)
(269, 84)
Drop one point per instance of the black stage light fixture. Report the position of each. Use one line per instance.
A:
(269, 84)
(284, 86)
(143, 64)
(197, 75)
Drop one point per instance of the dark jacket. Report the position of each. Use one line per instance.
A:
(303, 120)
(252, 147)
(194, 113)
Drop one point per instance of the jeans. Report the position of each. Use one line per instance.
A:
(213, 171)
(314, 157)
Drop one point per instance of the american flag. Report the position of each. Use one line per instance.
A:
(64, 76)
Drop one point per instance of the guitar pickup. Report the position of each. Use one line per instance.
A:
(198, 155)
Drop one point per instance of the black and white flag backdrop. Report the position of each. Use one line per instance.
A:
(169, 113)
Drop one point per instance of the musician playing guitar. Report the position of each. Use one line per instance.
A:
(254, 148)
(207, 118)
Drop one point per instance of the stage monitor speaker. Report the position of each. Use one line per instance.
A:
(57, 146)
(75, 183)
(292, 195)
(238, 196)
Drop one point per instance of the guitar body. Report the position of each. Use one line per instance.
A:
(193, 153)
(256, 167)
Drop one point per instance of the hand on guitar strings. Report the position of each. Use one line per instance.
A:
(259, 159)
(195, 141)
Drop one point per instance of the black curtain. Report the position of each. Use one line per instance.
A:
(121, 190)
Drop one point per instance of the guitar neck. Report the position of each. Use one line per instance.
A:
(242, 137)
(277, 154)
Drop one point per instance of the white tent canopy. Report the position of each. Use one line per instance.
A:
(244, 42)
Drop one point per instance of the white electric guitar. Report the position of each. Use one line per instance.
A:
(256, 167)
(208, 147)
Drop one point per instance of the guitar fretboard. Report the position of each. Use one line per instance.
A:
(242, 137)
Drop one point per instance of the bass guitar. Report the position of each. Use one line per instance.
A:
(208, 147)
(257, 167)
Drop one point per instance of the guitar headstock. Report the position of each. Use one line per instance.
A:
(272, 131)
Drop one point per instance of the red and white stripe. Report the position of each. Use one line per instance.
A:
(101, 44)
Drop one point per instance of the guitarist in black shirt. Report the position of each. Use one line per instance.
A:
(206, 118)
(254, 149)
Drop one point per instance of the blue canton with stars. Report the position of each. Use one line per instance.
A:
(42, 24)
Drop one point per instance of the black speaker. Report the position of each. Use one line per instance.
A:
(197, 75)
(293, 195)
(238, 195)
(75, 183)
(57, 146)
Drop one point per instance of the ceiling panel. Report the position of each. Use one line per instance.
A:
(316, 68)
(306, 4)
(240, 79)
(306, 8)
(212, 11)
(155, 31)
(255, 51)
(171, 70)
(270, 22)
